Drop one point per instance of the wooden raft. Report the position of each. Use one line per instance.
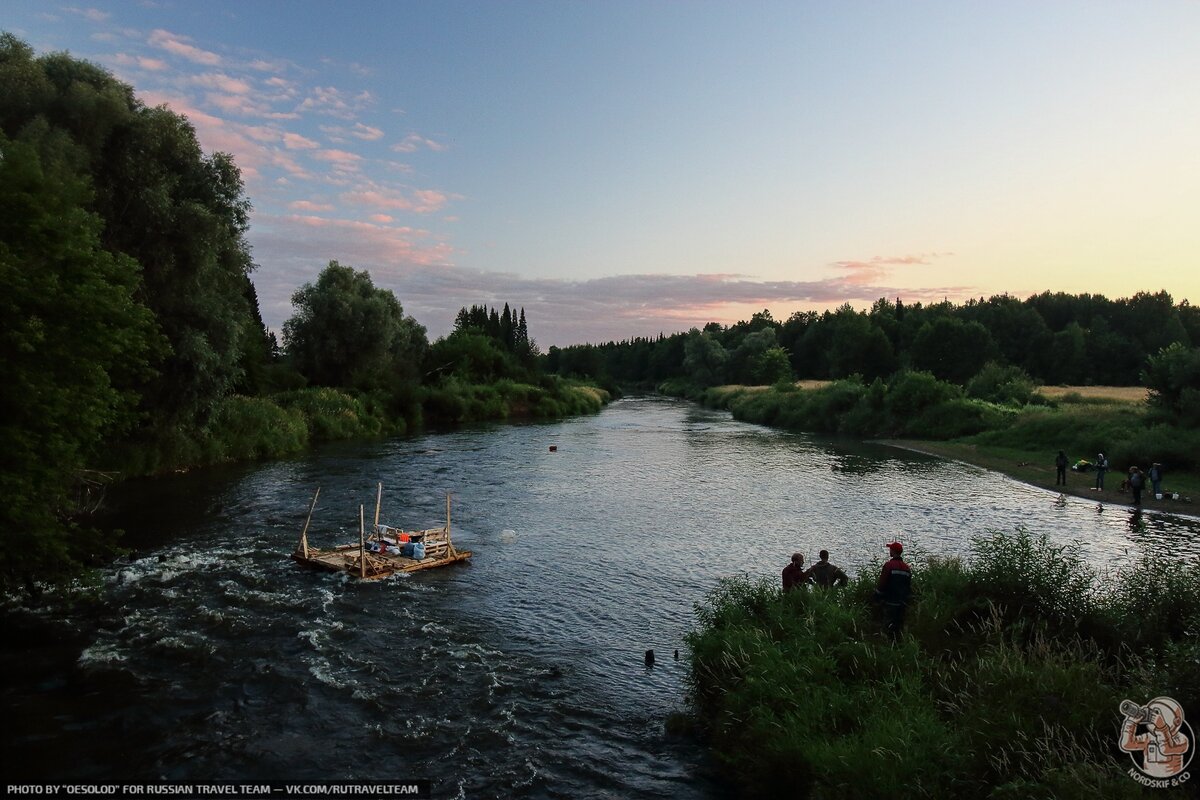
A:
(357, 560)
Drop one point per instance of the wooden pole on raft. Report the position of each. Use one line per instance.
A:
(304, 533)
(449, 544)
(362, 543)
(378, 500)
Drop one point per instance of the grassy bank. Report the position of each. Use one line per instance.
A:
(1006, 683)
(1019, 438)
(247, 428)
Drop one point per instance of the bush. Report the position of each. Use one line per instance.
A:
(255, 427)
(1001, 384)
(332, 414)
(910, 393)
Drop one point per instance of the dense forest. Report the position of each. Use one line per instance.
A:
(1053, 338)
(132, 340)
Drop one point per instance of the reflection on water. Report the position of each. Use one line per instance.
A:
(215, 657)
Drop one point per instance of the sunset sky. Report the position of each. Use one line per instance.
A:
(620, 169)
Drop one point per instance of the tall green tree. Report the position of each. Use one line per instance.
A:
(179, 213)
(74, 334)
(347, 332)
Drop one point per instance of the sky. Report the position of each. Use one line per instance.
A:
(623, 169)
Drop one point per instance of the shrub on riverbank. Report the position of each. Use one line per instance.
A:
(1006, 683)
(456, 401)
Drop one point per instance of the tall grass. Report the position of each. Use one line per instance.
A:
(1005, 684)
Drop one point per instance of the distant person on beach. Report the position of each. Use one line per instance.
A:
(1101, 468)
(1156, 475)
(895, 584)
(825, 574)
(794, 573)
(1137, 482)
(1060, 466)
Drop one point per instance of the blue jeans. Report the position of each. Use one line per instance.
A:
(1100, 478)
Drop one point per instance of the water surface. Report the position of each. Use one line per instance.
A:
(214, 657)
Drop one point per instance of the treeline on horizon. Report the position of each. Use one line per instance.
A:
(1054, 338)
(133, 342)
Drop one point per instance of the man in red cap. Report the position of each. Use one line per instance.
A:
(895, 584)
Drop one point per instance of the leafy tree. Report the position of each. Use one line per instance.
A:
(73, 335)
(1173, 377)
(472, 356)
(180, 214)
(998, 383)
(951, 349)
(348, 333)
(858, 347)
(704, 358)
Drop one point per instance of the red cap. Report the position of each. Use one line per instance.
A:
(895, 547)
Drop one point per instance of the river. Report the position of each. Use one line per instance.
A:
(212, 656)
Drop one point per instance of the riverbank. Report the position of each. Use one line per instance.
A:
(1008, 655)
(1037, 469)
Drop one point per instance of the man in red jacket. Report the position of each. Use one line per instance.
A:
(895, 585)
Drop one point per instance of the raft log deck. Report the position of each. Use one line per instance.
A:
(361, 562)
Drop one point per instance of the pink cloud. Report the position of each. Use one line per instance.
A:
(222, 83)
(426, 200)
(177, 45)
(142, 62)
(380, 218)
(340, 157)
(294, 141)
(306, 205)
(864, 273)
(366, 132)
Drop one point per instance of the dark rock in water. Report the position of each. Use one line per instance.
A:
(649, 658)
(676, 655)
(553, 672)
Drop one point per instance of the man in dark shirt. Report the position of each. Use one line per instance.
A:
(794, 573)
(1060, 466)
(895, 584)
(825, 574)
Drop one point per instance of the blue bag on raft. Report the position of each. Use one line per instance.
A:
(418, 550)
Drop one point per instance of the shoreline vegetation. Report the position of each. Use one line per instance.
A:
(1020, 651)
(1005, 683)
(917, 412)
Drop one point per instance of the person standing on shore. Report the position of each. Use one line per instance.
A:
(1156, 475)
(1101, 468)
(1137, 481)
(895, 584)
(825, 574)
(1060, 466)
(794, 573)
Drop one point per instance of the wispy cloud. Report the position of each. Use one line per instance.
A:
(421, 201)
(307, 205)
(178, 45)
(141, 62)
(864, 273)
(414, 142)
(91, 14)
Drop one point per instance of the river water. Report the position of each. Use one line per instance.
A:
(214, 657)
